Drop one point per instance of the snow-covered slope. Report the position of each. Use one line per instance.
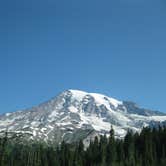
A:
(75, 115)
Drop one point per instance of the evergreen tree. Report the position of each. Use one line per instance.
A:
(145, 149)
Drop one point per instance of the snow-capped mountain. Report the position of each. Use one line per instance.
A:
(74, 115)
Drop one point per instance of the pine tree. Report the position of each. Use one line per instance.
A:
(111, 149)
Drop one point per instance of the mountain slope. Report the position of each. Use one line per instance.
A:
(74, 115)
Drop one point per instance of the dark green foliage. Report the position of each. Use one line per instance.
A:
(145, 149)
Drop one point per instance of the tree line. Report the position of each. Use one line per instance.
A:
(147, 148)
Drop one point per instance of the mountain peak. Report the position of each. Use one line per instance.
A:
(76, 114)
(100, 99)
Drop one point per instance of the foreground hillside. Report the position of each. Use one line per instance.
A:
(145, 149)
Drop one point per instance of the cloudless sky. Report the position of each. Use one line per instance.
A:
(114, 47)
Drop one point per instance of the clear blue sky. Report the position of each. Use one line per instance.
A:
(115, 47)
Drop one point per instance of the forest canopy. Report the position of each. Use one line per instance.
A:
(145, 149)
